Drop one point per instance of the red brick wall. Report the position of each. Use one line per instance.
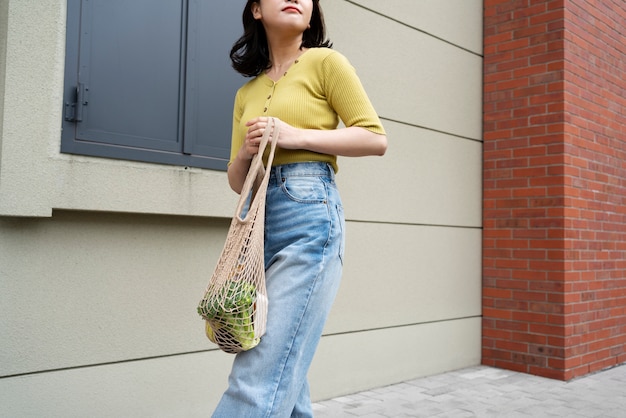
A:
(554, 246)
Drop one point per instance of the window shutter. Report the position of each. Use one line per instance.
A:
(129, 69)
(151, 80)
(211, 81)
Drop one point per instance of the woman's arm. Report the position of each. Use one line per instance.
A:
(238, 168)
(348, 142)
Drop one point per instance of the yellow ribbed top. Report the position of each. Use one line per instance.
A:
(320, 88)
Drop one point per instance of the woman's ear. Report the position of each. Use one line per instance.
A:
(256, 10)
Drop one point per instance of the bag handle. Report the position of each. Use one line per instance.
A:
(257, 171)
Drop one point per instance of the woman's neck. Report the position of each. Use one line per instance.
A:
(283, 55)
(282, 48)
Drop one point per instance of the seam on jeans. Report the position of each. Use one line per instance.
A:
(341, 232)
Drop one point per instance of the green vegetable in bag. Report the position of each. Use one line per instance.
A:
(233, 318)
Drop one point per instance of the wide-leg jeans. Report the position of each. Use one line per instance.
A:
(304, 243)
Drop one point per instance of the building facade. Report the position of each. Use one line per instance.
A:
(493, 230)
(103, 258)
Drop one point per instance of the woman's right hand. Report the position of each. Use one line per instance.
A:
(254, 135)
(238, 169)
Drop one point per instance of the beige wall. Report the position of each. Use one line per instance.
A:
(102, 262)
(410, 299)
(32, 117)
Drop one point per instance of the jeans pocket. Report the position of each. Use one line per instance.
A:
(305, 189)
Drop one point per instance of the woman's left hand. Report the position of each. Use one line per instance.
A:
(288, 137)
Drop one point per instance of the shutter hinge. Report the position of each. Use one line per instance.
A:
(74, 110)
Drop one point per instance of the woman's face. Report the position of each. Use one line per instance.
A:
(294, 15)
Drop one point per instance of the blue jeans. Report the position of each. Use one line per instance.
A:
(304, 241)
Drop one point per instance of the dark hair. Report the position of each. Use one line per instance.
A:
(250, 54)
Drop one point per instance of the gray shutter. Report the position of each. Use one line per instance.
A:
(211, 81)
(151, 80)
(130, 70)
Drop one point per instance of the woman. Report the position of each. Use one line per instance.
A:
(301, 81)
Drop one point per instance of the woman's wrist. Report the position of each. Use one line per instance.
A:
(244, 156)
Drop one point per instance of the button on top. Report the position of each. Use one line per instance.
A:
(270, 94)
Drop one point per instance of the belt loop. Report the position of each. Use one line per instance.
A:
(331, 171)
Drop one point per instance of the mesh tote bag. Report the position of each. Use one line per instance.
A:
(234, 305)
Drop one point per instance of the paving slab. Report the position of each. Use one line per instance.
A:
(487, 392)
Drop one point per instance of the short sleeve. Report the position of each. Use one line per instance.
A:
(346, 94)
(236, 138)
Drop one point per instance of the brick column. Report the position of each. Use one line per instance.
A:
(554, 246)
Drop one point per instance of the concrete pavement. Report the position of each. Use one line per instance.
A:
(487, 392)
